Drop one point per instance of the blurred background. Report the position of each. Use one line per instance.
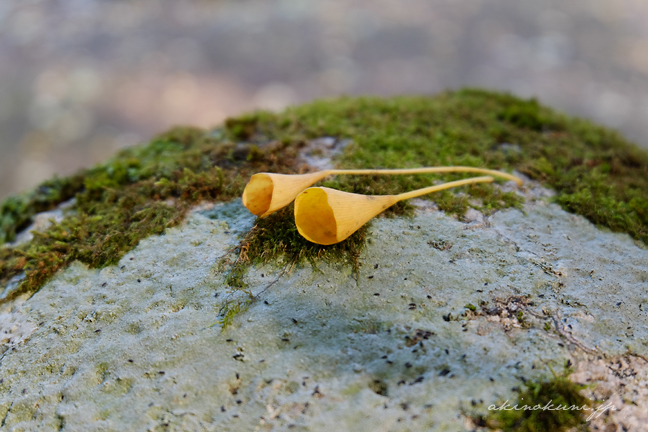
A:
(80, 79)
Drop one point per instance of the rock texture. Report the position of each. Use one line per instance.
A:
(444, 320)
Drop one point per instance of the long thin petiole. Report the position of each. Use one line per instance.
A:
(427, 170)
(430, 189)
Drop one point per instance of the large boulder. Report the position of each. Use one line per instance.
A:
(443, 314)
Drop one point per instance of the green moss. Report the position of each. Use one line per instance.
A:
(16, 212)
(230, 309)
(140, 192)
(145, 189)
(557, 391)
(276, 237)
(595, 171)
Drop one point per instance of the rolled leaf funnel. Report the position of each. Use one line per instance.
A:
(266, 192)
(327, 216)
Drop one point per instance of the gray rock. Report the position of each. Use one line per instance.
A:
(318, 153)
(133, 347)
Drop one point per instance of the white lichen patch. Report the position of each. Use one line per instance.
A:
(417, 343)
(531, 190)
(319, 153)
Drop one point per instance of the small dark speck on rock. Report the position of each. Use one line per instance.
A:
(376, 294)
(104, 284)
(370, 277)
(161, 372)
(375, 266)
(139, 280)
(98, 330)
(222, 408)
(417, 380)
(619, 304)
(285, 339)
(239, 401)
(229, 340)
(122, 267)
(294, 320)
(444, 372)
(130, 360)
(262, 275)
(408, 365)
(261, 361)
(131, 258)
(429, 296)
(40, 324)
(265, 302)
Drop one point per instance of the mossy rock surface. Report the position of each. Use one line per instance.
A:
(419, 321)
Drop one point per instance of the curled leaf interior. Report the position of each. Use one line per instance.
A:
(327, 216)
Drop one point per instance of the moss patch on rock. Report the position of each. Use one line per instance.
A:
(145, 189)
(276, 237)
(594, 170)
(140, 192)
(553, 405)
